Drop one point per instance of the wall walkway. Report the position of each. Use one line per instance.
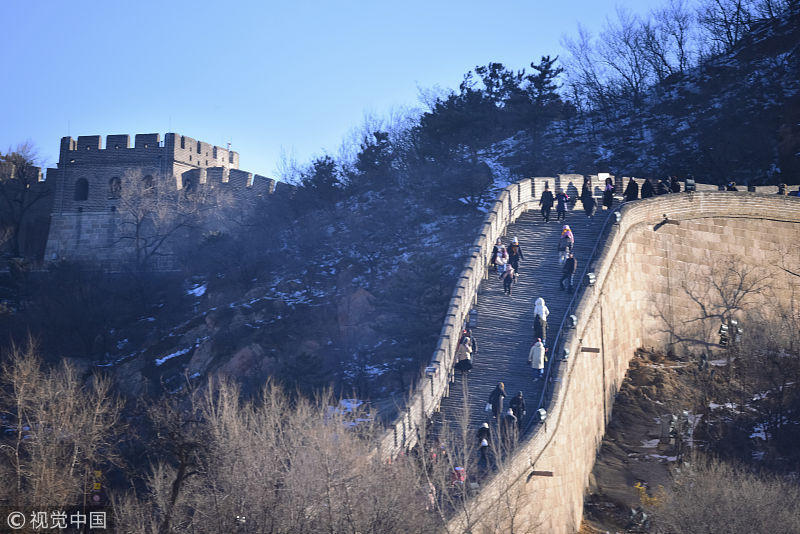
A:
(641, 268)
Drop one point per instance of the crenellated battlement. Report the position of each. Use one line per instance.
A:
(181, 148)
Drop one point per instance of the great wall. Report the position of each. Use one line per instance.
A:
(638, 262)
(639, 254)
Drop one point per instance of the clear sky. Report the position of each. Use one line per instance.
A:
(269, 77)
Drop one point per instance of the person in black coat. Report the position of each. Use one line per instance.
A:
(496, 399)
(589, 205)
(515, 254)
(647, 189)
(561, 205)
(568, 273)
(731, 186)
(676, 185)
(608, 194)
(546, 202)
(517, 405)
(632, 191)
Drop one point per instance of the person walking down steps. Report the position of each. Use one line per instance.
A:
(507, 276)
(546, 202)
(540, 313)
(496, 399)
(608, 194)
(514, 255)
(517, 405)
(565, 243)
(464, 354)
(561, 205)
(498, 246)
(568, 273)
(537, 357)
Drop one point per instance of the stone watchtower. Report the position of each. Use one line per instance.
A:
(83, 223)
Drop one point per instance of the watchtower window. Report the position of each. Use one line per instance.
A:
(114, 187)
(183, 142)
(215, 152)
(148, 183)
(230, 157)
(81, 190)
(198, 147)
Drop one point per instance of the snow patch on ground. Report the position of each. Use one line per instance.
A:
(198, 290)
(181, 352)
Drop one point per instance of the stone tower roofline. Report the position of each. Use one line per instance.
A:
(182, 148)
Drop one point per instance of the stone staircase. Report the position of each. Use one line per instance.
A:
(504, 325)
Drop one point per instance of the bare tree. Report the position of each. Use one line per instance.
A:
(20, 192)
(275, 464)
(725, 22)
(59, 429)
(711, 496)
(667, 38)
(622, 47)
(585, 73)
(719, 293)
(153, 214)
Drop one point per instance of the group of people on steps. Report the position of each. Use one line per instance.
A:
(505, 260)
(561, 199)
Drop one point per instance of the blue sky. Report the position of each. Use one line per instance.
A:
(271, 78)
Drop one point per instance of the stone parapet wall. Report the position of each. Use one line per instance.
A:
(639, 273)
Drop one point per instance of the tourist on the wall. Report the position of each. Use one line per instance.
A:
(568, 273)
(731, 186)
(608, 194)
(565, 243)
(632, 191)
(464, 354)
(484, 433)
(561, 205)
(467, 333)
(507, 276)
(540, 313)
(536, 357)
(589, 204)
(647, 189)
(496, 399)
(495, 250)
(587, 198)
(517, 405)
(676, 185)
(546, 202)
(514, 255)
(586, 189)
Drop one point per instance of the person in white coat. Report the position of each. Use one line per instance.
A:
(540, 313)
(537, 357)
